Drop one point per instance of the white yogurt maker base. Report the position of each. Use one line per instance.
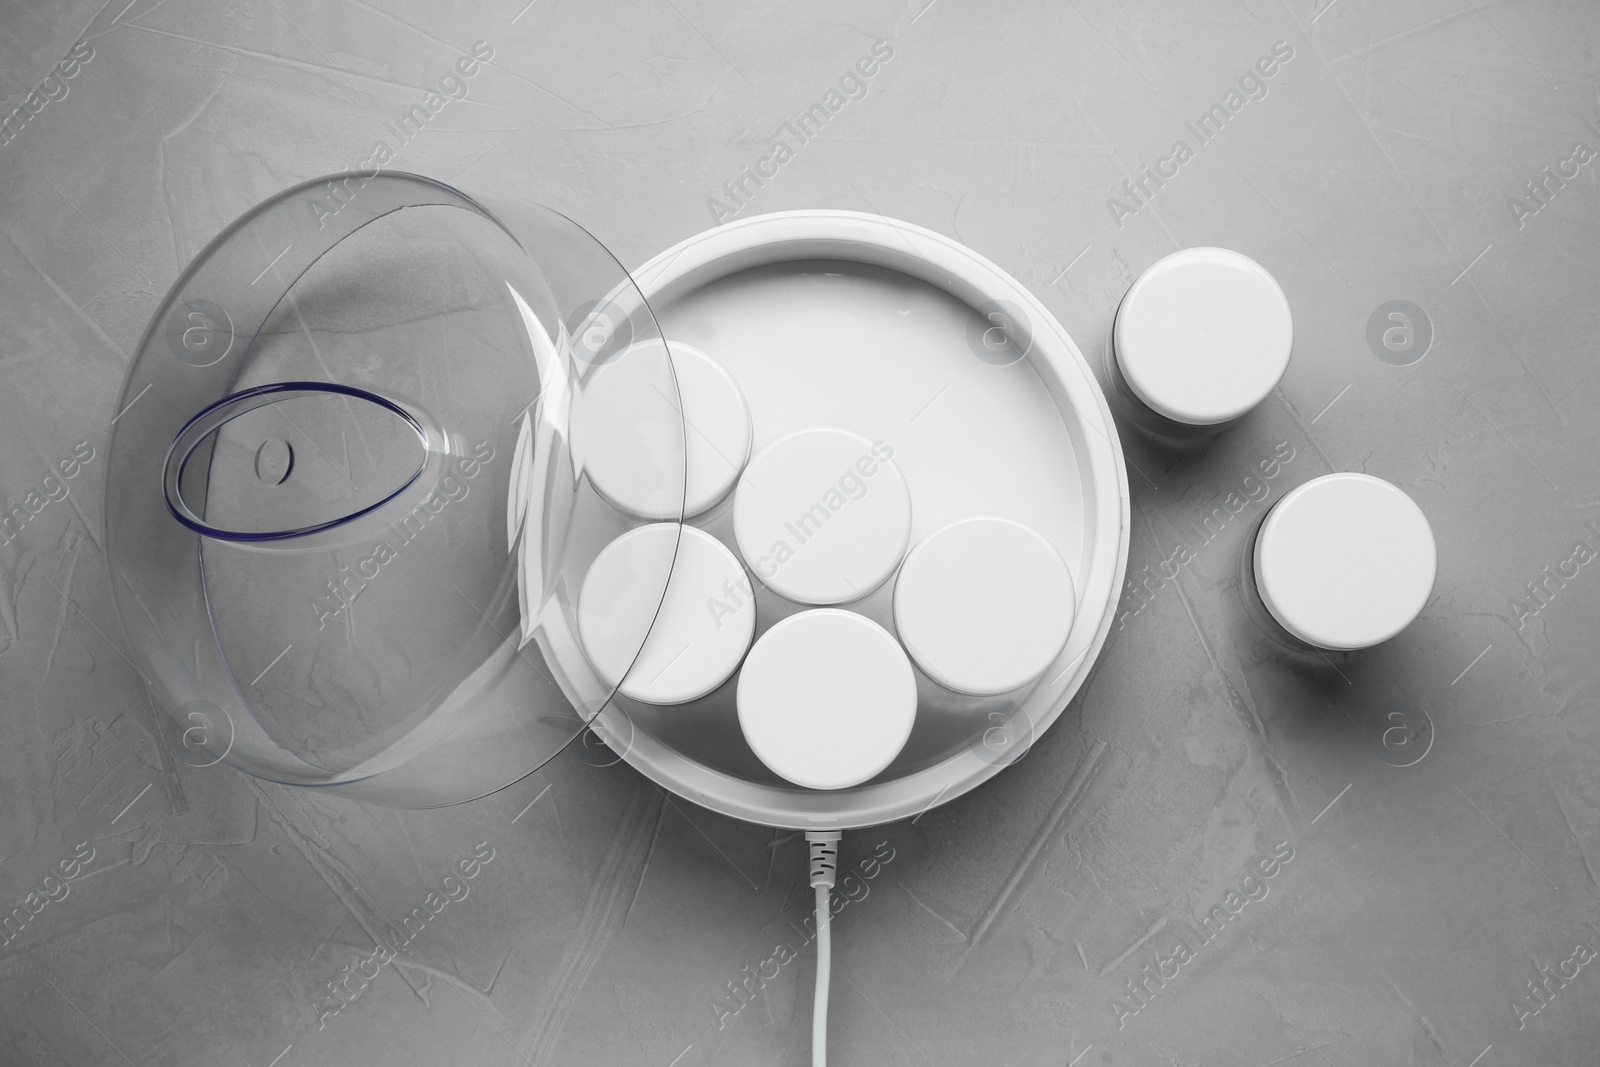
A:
(1028, 436)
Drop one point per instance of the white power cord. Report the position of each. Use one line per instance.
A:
(824, 866)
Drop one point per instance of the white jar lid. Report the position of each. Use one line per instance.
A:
(620, 412)
(706, 618)
(827, 698)
(1204, 335)
(1345, 561)
(984, 605)
(822, 516)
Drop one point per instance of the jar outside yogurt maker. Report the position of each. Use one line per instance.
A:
(1200, 338)
(410, 487)
(1341, 563)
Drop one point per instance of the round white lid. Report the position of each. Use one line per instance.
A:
(822, 516)
(1345, 561)
(827, 698)
(706, 618)
(620, 409)
(984, 605)
(1204, 335)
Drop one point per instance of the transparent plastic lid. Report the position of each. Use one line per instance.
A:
(347, 522)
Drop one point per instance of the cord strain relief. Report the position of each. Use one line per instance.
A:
(824, 856)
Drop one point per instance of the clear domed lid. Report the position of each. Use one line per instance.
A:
(347, 519)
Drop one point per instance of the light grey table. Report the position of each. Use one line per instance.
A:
(1035, 921)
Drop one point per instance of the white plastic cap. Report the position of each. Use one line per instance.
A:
(1345, 561)
(984, 605)
(622, 404)
(822, 516)
(1203, 336)
(700, 633)
(827, 698)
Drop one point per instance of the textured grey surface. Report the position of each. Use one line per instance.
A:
(1007, 926)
